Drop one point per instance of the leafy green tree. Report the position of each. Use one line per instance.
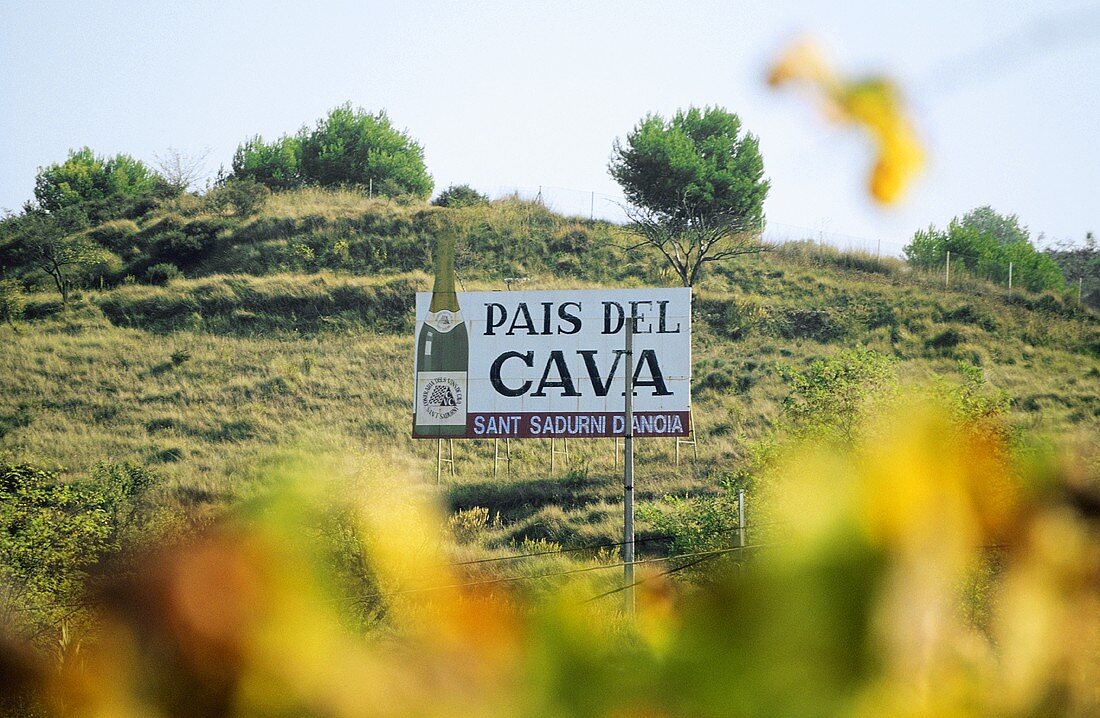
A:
(1080, 262)
(696, 187)
(277, 165)
(353, 146)
(347, 147)
(1001, 229)
(986, 243)
(102, 187)
(53, 531)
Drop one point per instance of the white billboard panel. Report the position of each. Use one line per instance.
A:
(552, 364)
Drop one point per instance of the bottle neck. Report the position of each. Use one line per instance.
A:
(443, 290)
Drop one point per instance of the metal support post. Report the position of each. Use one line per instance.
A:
(741, 518)
(628, 474)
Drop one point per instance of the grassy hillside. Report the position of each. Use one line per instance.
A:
(293, 328)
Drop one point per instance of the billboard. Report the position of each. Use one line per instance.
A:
(550, 364)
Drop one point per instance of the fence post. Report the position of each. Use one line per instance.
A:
(1010, 277)
(741, 518)
(947, 272)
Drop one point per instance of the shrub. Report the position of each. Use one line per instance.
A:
(462, 195)
(695, 523)
(241, 196)
(733, 318)
(834, 397)
(348, 147)
(53, 531)
(822, 325)
(117, 235)
(570, 240)
(466, 524)
(162, 273)
(985, 243)
(12, 301)
(945, 341)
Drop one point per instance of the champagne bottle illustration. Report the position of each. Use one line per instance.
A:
(442, 355)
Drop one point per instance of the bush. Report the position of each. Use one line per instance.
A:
(833, 399)
(355, 147)
(821, 325)
(462, 195)
(117, 235)
(695, 523)
(732, 318)
(162, 273)
(53, 531)
(945, 341)
(12, 301)
(570, 240)
(467, 524)
(241, 197)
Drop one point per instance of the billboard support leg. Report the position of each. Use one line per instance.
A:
(689, 440)
(507, 456)
(439, 460)
(628, 476)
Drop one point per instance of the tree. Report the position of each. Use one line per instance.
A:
(986, 243)
(54, 244)
(181, 171)
(1002, 229)
(353, 146)
(277, 165)
(695, 185)
(348, 147)
(1080, 262)
(102, 188)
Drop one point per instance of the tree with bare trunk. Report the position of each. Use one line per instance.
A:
(695, 186)
(180, 170)
(54, 244)
(689, 245)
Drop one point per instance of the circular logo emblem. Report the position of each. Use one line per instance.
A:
(444, 319)
(441, 398)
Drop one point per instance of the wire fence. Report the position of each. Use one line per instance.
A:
(589, 204)
(962, 272)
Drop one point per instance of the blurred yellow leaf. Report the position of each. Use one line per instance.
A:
(874, 104)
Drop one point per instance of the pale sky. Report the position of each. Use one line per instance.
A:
(517, 95)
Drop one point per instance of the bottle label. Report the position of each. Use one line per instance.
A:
(441, 398)
(444, 320)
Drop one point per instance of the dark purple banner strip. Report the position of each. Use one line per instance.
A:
(574, 425)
